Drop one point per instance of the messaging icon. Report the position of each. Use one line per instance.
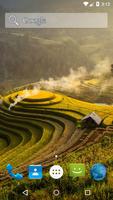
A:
(77, 170)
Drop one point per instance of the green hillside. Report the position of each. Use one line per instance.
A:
(36, 125)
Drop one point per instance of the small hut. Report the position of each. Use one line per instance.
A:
(91, 121)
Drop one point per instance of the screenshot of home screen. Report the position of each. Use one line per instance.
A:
(56, 100)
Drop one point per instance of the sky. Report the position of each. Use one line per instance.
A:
(22, 3)
(40, 5)
(48, 6)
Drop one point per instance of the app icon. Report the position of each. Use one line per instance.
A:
(17, 176)
(98, 172)
(56, 171)
(35, 172)
(77, 170)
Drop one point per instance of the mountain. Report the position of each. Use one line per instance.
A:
(32, 57)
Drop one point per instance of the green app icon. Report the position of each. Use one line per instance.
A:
(77, 170)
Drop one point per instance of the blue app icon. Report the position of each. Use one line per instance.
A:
(17, 176)
(35, 172)
(98, 172)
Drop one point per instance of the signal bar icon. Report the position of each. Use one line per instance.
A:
(91, 5)
(85, 3)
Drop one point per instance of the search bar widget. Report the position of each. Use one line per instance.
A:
(56, 20)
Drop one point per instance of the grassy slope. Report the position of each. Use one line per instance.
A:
(39, 121)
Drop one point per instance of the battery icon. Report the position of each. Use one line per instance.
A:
(97, 3)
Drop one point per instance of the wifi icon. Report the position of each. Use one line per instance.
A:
(85, 3)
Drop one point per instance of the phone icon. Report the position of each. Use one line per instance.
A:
(17, 176)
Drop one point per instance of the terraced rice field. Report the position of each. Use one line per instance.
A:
(42, 125)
